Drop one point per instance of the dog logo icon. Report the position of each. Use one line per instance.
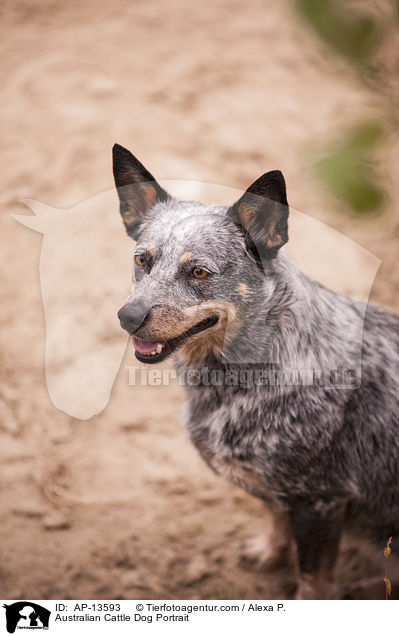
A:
(26, 615)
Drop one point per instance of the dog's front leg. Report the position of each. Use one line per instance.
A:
(316, 527)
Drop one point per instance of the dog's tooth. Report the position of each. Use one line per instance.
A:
(159, 348)
(153, 353)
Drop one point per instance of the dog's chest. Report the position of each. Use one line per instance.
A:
(232, 440)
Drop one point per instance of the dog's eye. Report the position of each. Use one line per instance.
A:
(140, 260)
(198, 272)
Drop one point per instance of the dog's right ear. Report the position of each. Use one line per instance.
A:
(137, 189)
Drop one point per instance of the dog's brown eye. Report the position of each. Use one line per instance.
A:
(198, 272)
(140, 260)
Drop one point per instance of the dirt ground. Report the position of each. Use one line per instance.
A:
(120, 505)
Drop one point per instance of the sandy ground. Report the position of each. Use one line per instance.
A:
(120, 505)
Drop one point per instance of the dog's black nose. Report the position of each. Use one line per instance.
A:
(132, 316)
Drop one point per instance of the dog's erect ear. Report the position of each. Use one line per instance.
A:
(137, 189)
(263, 213)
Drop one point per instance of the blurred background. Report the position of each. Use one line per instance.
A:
(120, 505)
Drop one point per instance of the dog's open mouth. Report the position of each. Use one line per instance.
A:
(151, 352)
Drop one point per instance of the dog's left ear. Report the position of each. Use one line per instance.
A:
(263, 213)
(137, 189)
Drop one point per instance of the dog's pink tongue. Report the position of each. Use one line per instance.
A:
(144, 346)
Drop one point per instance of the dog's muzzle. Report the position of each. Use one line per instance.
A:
(132, 316)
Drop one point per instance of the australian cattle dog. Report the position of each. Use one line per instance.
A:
(296, 397)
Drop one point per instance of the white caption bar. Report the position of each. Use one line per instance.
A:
(21, 617)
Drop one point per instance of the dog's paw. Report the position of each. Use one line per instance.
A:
(261, 554)
(315, 589)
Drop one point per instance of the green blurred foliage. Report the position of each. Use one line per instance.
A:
(353, 36)
(348, 168)
(349, 172)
